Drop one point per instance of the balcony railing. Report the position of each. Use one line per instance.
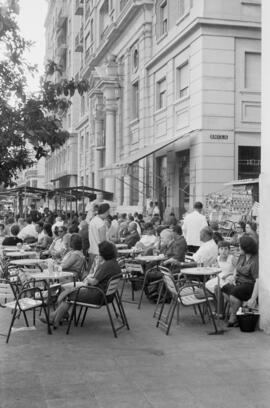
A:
(79, 7)
(100, 141)
(88, 53)
(123, 3)
(87, 11)
(78, 43)
(62, 17)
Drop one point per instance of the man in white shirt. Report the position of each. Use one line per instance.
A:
(208, 251)
(97, 233)
(192, 226)
(29, 231)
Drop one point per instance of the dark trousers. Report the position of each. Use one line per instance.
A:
(193, 248)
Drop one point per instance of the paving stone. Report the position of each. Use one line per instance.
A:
(142, 368)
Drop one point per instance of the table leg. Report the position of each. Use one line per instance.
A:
(48, 308)
(217, 330)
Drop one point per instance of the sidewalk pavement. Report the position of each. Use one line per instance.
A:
(142, 368)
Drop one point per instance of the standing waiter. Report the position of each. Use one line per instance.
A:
(192, 226)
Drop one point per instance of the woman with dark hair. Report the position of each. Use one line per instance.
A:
(105, 271)
(74, 259)
(247, 270)
(2, 230)
(239, 231)
(47, 238)
(251, 230)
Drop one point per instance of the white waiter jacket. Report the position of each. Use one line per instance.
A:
(192, 226)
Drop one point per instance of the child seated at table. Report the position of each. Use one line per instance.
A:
(225, 262)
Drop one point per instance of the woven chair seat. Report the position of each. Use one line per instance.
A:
(25, 303)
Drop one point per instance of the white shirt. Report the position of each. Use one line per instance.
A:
(226, 276)
(192, 226)
(28, 231)
(207, 253)
(57, 224)
(96, 226)
(41, 235)
(147, 241)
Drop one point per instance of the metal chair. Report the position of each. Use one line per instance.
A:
(183, 294)
(6, 293)
(111, 296)
(25, 300)
(132, 273)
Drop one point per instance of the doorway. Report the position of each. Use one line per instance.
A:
(184, 180)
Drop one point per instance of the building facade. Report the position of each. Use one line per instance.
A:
(33, 176)
(173, 110)
(60, 27)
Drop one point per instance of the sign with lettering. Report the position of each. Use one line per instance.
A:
(219, 137)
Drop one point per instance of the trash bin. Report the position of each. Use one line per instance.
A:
(248, 321)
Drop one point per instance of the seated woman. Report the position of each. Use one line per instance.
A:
(57, 247)
(46, 240)
(251, 230)
(108, 269)
(247, 270)
(132, 237)
(74, 258)
(148, 241)
(13, 239)
(177, 248)
(240, 230)
(2, 230)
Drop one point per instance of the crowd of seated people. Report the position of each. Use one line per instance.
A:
(66, 237)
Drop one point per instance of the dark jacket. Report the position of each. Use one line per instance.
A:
(10, 241)
(177, 249)
(131, 239)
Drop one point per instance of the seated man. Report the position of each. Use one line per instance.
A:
(149, 240)
(208, 251)
(177, 248)
(13, 239)
(28, 233)
(133, 235)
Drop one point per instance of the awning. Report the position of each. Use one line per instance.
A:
(242, 182)
(144, 152)
(120, 168)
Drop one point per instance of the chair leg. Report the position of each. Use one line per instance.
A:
(78, 318)
(142, 291)
(84, 316)
(174, 304)
(178, 313)
(201, 313)
(115, 311)
(72, 316)
(111, 320)
(25, 318)
(123, 286)
(44, 307)
(11, 324)
(122, 311)
(158, 299)
(161, 311)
